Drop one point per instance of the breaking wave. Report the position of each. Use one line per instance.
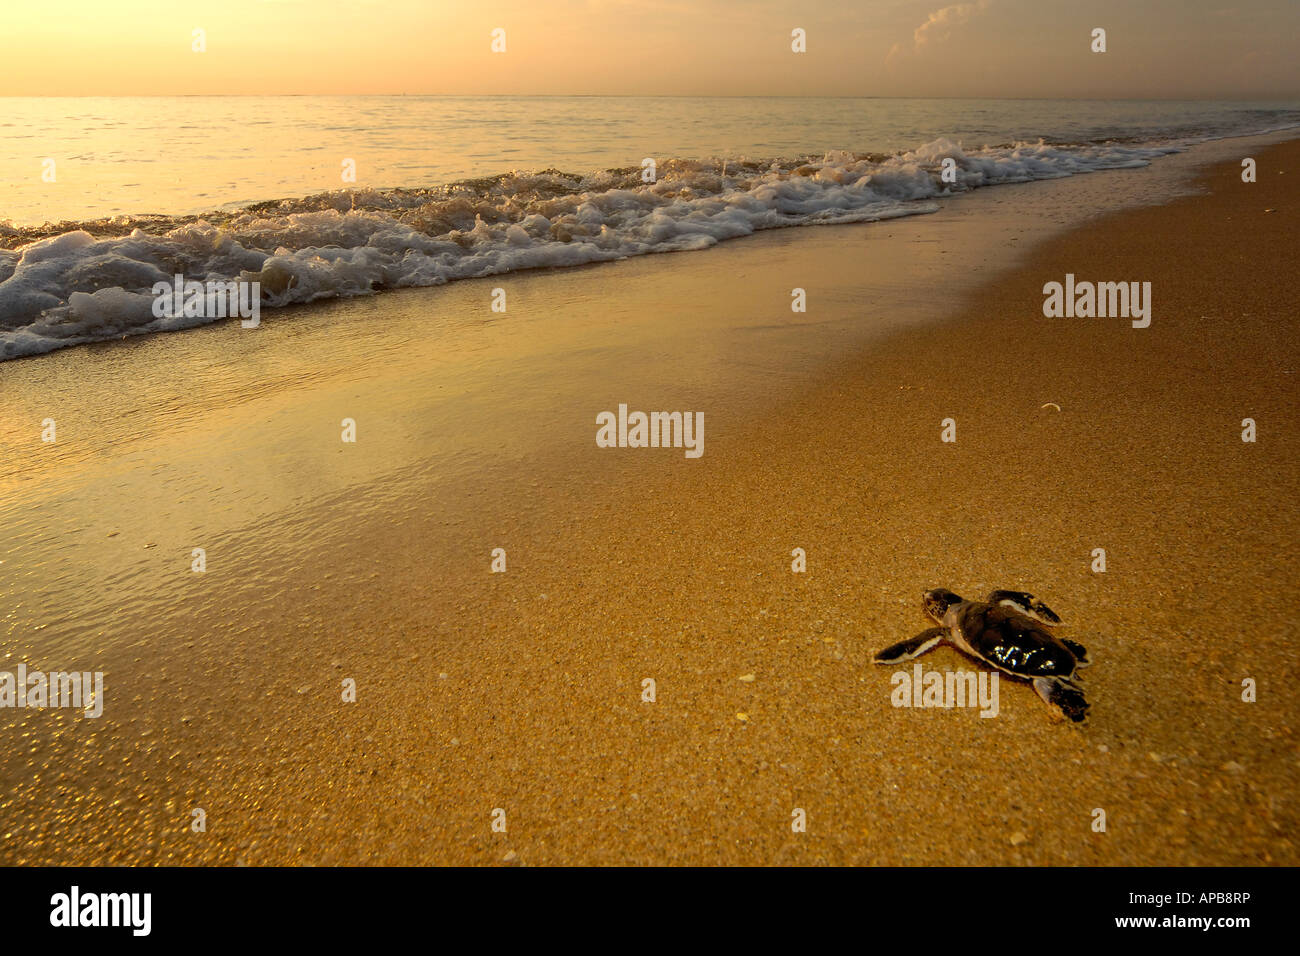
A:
(72, 283)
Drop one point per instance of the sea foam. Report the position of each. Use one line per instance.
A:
(72, 287)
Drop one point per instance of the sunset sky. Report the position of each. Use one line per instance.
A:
(1039, 48)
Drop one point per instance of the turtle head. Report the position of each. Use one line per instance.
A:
(937, 602)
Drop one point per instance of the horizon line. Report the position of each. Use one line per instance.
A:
(729, 96)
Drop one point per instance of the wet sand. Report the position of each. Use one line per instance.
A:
(523, 691)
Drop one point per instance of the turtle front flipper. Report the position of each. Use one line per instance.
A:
(1027, 603)
(1064, 696)
(912, 647)
(1078, 650)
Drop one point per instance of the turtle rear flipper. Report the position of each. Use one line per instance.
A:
(1023, 601)
(1064, 696)
(912, 647)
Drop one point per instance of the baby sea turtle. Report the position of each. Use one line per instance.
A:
(1008, 631)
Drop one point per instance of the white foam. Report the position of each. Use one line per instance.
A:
(73, 288)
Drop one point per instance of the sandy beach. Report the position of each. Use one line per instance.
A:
(523, 691)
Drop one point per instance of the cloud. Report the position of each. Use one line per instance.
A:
(938, 26)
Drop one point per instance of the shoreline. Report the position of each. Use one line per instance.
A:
(628, 567)
(46, 310)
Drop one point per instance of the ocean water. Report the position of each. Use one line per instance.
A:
(105, 197)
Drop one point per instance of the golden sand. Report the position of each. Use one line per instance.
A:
(523, 691)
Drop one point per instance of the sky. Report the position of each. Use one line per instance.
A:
(981, 48)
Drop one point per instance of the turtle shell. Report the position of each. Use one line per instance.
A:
(1012, 642)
